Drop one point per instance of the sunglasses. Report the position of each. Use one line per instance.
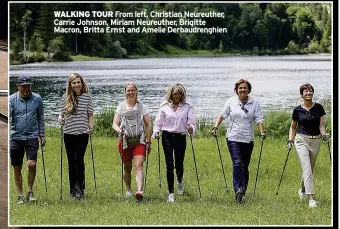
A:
(244, 109)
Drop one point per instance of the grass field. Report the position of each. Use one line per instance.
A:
(217, 207)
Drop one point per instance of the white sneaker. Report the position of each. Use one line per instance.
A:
(171, 198)
(313, 203)
(129, 193)
(180, 188)
(302, 195)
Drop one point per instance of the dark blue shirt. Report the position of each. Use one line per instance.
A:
(308, 120)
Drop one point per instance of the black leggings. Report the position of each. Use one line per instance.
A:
(75, 148)
(173, 144)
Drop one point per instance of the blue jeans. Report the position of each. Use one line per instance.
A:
(240, 154)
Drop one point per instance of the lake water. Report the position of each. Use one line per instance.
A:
(209, 80)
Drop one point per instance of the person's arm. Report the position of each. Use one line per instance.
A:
(191, 122)
(90, 111)
(115, 124)
(258, 118)
(148, 127)
(292, 131)
(322, 127)
(11, 112)
(159, 121)
(41, 124)
(91, 122)
(223, 115)
(218, 121)
(261, 128)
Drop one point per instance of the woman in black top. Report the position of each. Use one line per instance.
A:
(306, 127)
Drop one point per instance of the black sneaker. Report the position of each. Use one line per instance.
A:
(238, 197)
(30, 197)
(78, 196)
(77, 193)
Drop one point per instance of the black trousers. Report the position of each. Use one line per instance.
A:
(75, 148)
(174, 144)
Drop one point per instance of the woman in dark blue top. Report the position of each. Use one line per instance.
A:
(305, 130)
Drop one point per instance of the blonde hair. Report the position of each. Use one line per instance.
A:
(135, 86)
(176, 87)
(71, 101)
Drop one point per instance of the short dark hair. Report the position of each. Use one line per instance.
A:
(305, 87)
(240, 82)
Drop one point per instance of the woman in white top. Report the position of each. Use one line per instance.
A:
(240, 111)
(76, 117)
(130, 122)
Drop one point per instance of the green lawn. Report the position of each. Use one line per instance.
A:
(217, 207)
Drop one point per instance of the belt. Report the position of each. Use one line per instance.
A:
(309, 136)
(170, 133)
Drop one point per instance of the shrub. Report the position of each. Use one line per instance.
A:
(103, 122)
(276, 123)
(292, 48)
(61, 56)
(313, 47)
(17, 57)
(36, 58)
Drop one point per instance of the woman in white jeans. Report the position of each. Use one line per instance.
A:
(306, 127)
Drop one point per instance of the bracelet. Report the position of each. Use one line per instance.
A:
(148, 143)
(290, 141)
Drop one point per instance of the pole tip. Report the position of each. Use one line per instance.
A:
(277, 193)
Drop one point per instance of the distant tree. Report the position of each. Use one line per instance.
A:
(25, 20)
(57, 44)
(36, 43)
(304, 25)
(220, 48)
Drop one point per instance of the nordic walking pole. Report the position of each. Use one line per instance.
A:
(42, 155)
(330, 153)
(193, 153)
(61, 162)
(146, 170)
(159, 165)
(94, 171)
(258, 165)
(284, 167)
(219, 152)
(121, 156)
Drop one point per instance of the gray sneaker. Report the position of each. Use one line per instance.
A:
(21, 199)
(30, 197)
(180, 188)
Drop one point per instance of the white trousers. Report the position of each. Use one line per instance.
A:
(307, 150)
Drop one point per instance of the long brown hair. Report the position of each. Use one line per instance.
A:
(71, 101)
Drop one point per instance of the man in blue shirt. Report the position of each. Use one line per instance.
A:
(26, 131)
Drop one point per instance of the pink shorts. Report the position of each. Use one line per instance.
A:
(131, 151)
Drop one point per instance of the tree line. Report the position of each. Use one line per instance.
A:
(263, 28)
